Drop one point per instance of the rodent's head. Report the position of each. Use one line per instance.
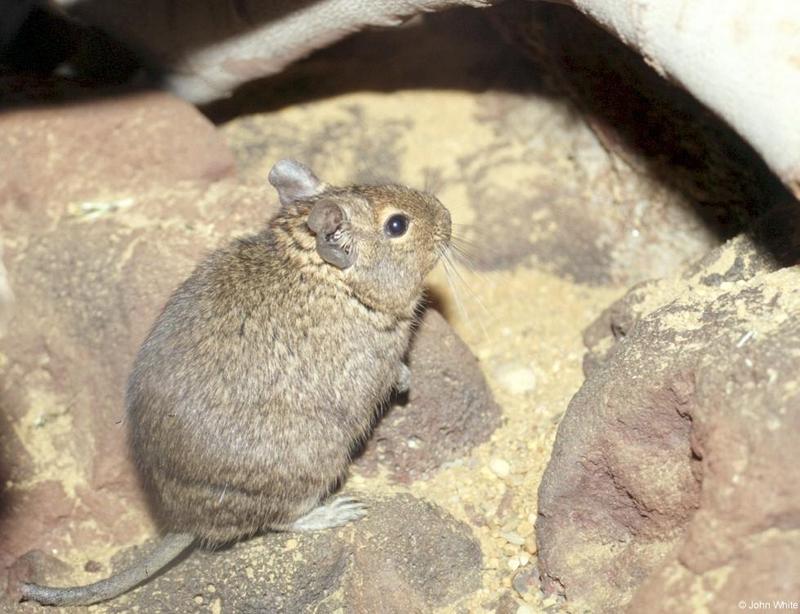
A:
(383, 240)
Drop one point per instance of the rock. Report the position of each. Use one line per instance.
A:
(500, 467)
(449, 410)
(646, 123)
(526, 581)
(674, 466)
(504, 604)
(405, 556)
(99, 152)
(207, 53)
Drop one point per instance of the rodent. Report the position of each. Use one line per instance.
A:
(267, 368)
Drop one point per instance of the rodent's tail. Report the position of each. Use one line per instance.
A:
(170, 547)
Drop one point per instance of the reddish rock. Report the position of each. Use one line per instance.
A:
(19, 529)
(100, 151)
(674, 465)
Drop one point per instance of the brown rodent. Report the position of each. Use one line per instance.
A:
(267, 367)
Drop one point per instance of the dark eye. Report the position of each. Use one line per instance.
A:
(396, 226)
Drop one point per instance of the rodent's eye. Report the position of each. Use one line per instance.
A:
(396, 226)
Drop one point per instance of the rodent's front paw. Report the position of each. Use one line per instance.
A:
(403, 381)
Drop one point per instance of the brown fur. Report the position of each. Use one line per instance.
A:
(268, 365)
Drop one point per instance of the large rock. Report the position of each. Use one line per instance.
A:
(652, 124)
(673, 483)
(102, 204)
(97, 151)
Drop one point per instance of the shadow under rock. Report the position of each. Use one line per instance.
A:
(654, 125)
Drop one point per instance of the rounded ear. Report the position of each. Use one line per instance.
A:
(328, 221)
(294, 181)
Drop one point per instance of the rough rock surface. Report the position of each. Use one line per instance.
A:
(405, 556)
(59, 157)
(673, 483)
(652, 124)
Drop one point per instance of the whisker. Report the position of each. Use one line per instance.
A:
(466, 285)
(468, 261)
(477, 251)
(456, 296)
(468, 247)
(464, 256)
(454, 277)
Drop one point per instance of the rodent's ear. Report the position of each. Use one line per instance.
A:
(294, 181)
(335, 245)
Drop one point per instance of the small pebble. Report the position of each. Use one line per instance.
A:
(93, 566)
(526, 582)
(510, 549)
(530, 545)
(516, 379)
(500, 467)
(550, 601)
(513, 563)
(513, 538)
(525, 609)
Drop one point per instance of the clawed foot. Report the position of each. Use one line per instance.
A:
(334, 513)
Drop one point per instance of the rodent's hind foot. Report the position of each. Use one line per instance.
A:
(333, 513)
